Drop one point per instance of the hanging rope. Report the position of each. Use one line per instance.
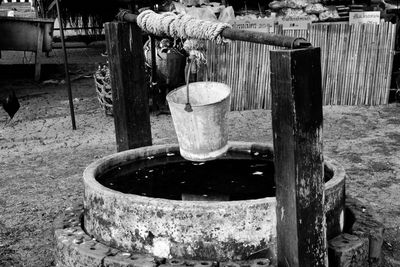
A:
(180, 26)
(188, 106)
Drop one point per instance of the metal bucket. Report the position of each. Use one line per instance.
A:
(203, 132)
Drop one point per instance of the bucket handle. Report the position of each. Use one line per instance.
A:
(188, 107)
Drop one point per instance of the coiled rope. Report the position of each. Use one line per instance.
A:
(180, 26)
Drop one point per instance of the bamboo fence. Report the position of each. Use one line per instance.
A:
(356, 65)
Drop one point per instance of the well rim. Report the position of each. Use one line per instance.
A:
(100, 165)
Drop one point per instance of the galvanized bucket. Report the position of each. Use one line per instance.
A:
(202, 129)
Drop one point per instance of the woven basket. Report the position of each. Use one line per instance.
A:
(103, 89)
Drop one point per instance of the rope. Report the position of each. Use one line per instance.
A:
(196, 48)
(121, 14)
(193, 44)
(188, 106)
(180, 26)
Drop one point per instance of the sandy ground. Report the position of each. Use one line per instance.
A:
(42, 160)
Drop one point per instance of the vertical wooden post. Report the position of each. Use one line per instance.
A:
(66, 68)
(297, 129)
(38, 53)
(129, 87)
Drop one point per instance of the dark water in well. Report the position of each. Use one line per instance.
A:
(233, 177)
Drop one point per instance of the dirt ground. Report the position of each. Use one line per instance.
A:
(42, 160)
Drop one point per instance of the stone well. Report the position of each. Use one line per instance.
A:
(203, 230)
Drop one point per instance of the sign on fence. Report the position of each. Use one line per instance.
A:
(257, 25)
(300, 23)
(370, 17)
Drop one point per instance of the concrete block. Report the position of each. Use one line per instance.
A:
(366, 225)
(348, 250)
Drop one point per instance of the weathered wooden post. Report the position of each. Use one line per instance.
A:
(38, 53)
(129, 85)
(297, 128)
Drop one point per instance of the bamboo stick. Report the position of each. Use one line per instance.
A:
(331, 66)
(364, 80)
(381, 61)
(269, 92)
(358, 62)
(258, 84)
(364, 98)
(320, 33)
(228, 54)
(353, 62)
(248, 77)
(259, 87)
(350, 59)
(378, 67)
(244, 50)
(355, 29)
(327, 65)
(360, 53)
(345, 64)
(253, 86)
(265, 77)
(229, 68)
(387, 75)
(244, 75)
(333, 62)
(363, 67)
(242, 46)
(235, 71)
(341, 63)
(384, 52)
(385, 95)
(240, 49)
(392, 47)
(264, 66)
(373, 91)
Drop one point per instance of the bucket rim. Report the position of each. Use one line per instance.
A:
(168, 97)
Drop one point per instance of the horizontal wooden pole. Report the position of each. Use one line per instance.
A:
(243, 35)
